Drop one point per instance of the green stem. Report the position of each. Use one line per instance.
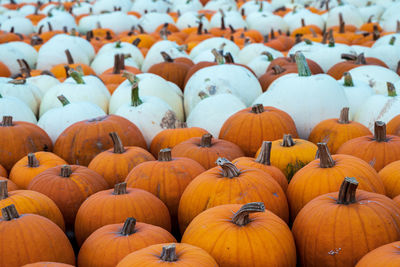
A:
(348, 80)
(136, 101)
(64, 101)
(391, 89)
(302, 66)
(118, 44)
(392, 40)
(76, 76)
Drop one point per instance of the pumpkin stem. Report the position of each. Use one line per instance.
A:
(265, 153)
(129, 226)
(7, 121)
(136, 42)
(120, 189)
(169, 253)
(117, 64)
(268, 54)
(10, 212)
(200, 28)
(229, 169)
(165, 155)
(118, 146)
(391, 89)
(3, 190)
(206, 140)
(287, 140)
(344, 116)
(241, 217)
(348, 80)
(277, 69)
(166, 57)
(302, 66)
(32, 161)
(118, 44)
(136, 101)
(66, 171)
(348, 56)
(64, 101)
(360, 60)
(76, 76)
(223, 27)
(392, 40)
(380, 131)
(17, 81)
(257, 108)
(341, 24)
(347, 191)
(325, 158)
(218, 57)
(331, 42)
(70, 59)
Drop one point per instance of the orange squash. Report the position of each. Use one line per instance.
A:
(383, 256)
(390, 177)
(10, 184)
(48, 264)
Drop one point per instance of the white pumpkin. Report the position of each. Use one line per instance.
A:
(225, 5)
(295, 18)
(123, 48)
(92, 81)
(10, 54)
(226, 19)
(373, 11)
(389, 53)
(144, 6)
(192, 19)
(43, 82)
(18, 24)
(308, 99)
(260, 64)
(255, 6)
(104, 6)
(384, 40)
(12, 106)
(264, 22)
(26, 51)
(81, 8)
(185, 6)
(217, 43)
(212, 112)
(389, 18)
(57, 21)
(104, 61)
(251, 51)
(218, 79)
(116, 21)
(147, 113)
(151, 21)
(208, 55)
(56, 120)
(350, 14)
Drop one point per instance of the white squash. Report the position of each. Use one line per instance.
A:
(144, 6)
(389, 53)
(384, 40)
(185, 6)
(251, 51)
(104, 61)
(217, 43)
(255, 6)
(350, 14)
(18, 24)
(226, 19)
(192, 19)
(123, 48)
(12, 106)
(93, 81)
(264, 22)
(43, 82)
(151, 21)
(104, 6)
(260, 64)
(295, 18)
(224, 5)
(58, 21)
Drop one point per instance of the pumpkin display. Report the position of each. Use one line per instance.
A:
(373, 218)
(378, 150)
(109, 244)
(241, 227)
(115, 164)
(39, 239)
(386, 255)
(99, 210)
(174, 254)
(68, 186)
(250, 127)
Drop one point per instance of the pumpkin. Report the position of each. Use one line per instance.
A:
(378, 150)
(335, 132)
(393, 126)
(230, 184)
(10, 184)
(39, 239)
(252, 236)
(27, 138)
(179, 254)
(115, 164)
(290, 62)
(31, 165)
(263, 162)
(373, 218)
(99, 210)
(325, 174)
(109, 244)
(82, 141)
(59, 70)
(68, 186)
(248, 128)
(390, 178)
(383, 256)
(47, 264)
(274, 73)
(3, 172)
(206, 150)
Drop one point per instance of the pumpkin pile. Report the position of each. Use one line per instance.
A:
(199, 133)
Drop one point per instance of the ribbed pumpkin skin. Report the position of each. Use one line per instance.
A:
(32, 238)
(28, 201)
(82, 141)
(276, 173)
(172, 71)
(265, 241)
(188, 255)
(20, 139)
(47, 264)
(68, 193)
(107, 246)
(384, 256)
(211, 189)
(330, 234)
(377, 154)
(248, 129)
(207, 156)
(169, 138)
(115, 167)
(10, 184)
(3, 172)
(105, 208)
(166, 180)
(391, 179)
(21, 174)
(334, 134)
(393, 126)
(313, 180)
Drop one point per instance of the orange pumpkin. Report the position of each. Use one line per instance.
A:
(10, 184)
(31, 165)
(383, 256)
(3, 172)
(39, 239)
(274, 73)
(26, 138)
(99, 210)
(393, 126)
(249, 127)
(68, 186)
(378, 150)
(335, 132)
(391, 178)
(251, 236)
(48, 264)
(290, 62)
(60, 71)
(115, 164)
(109, 244)
(4, 70)
(353, 223)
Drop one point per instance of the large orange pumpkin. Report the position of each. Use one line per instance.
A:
(30, 238)
(109, 244)
(230, 184)
(101, 209)
(337, 229)
(384, 256)
(391, 179)
(251, 235)
(248, 128)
